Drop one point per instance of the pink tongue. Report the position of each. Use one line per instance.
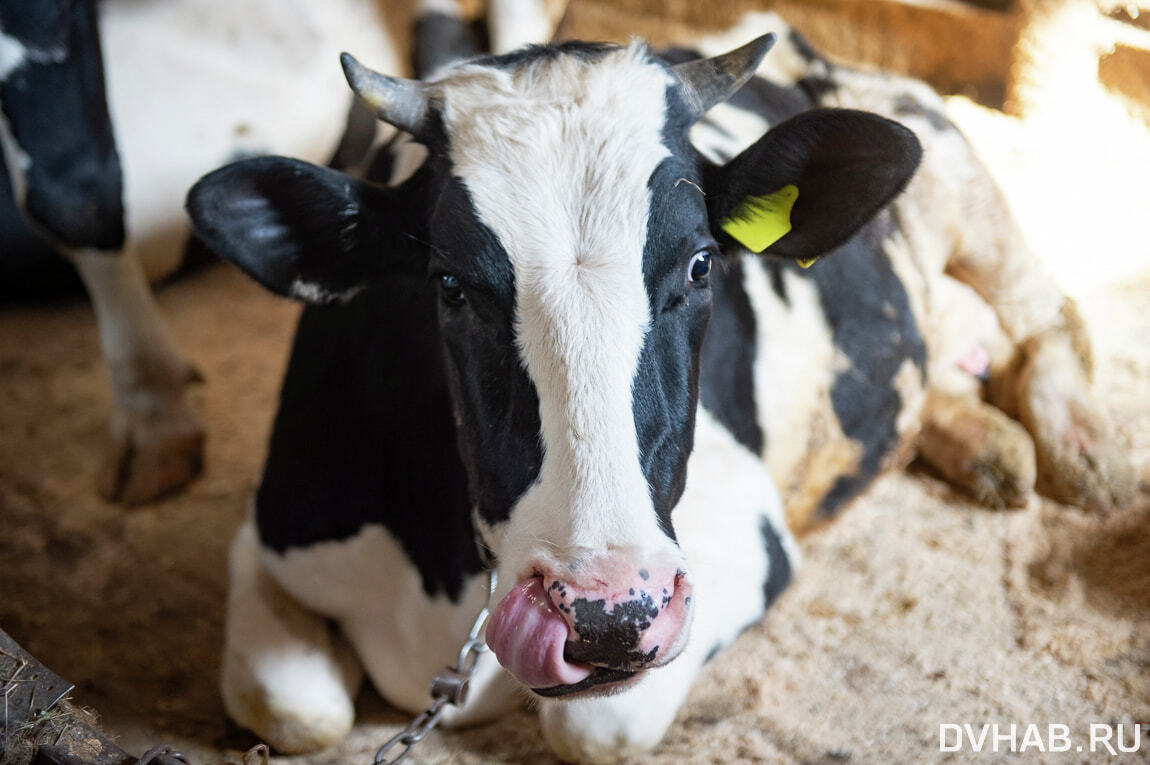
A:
(527, 634)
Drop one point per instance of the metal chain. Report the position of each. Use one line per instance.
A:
(448, 686)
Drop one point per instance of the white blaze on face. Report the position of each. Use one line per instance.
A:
(557, 155)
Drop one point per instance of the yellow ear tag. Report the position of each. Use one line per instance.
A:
(759, 222)
(805, 262)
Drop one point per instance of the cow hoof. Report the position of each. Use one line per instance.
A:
(979, 450)
(1079, 461)
(151, 456)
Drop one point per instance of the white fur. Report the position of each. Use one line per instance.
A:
(794, 363)
(314, 293)
(369, 587)
(286, 676)
(718, 521)
(725, 130)
(557, 157)
(17, 161)
(12, 55)
(217, 78)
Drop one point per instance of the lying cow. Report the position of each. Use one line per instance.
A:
(554, 335)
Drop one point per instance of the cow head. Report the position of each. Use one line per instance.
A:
(570, 230)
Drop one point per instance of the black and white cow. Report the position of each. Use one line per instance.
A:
(60, 156)
(542, 335)
(99, 174)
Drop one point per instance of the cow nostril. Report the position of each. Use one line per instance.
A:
(629, 631)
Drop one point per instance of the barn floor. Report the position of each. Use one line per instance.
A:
(915, 609)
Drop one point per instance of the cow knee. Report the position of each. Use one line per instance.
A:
(978, 449)
(287, 676)
(1080, 459)
(298, 701)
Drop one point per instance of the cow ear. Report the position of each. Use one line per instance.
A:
(811, 182)
(304, 231)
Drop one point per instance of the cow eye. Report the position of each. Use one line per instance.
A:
(700, 267)
(451, 290)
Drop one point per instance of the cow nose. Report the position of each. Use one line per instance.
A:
(625, 622)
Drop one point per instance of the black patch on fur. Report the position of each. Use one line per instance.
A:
(589, 51)
(44, 24)
(853, 284)
(727, 380)
(907, 105)
(779, 571)
(665, 389)
(611, 639)
(55, 107)
(29, 266)
(778, 284)
(498, 406)
(364, 435)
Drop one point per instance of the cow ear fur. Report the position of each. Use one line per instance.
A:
(303, 231)
(831, 170)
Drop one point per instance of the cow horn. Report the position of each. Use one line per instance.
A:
(396, 101)
(710, 81)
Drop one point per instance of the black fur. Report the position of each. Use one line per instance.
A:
(495, 399)
(666, 384)
(868, 311)
(364, 435)
(726, 386)
(55, 108)
(779, 571)
(846, 164)
(586, 50)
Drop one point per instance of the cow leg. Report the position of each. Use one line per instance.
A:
(741, 555)
(1046, 384)
(973, 445)
(1079, 461)
(156, 439)
(287, 674)
(978, 449)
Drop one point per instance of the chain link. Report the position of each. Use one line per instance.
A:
(449, 686)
